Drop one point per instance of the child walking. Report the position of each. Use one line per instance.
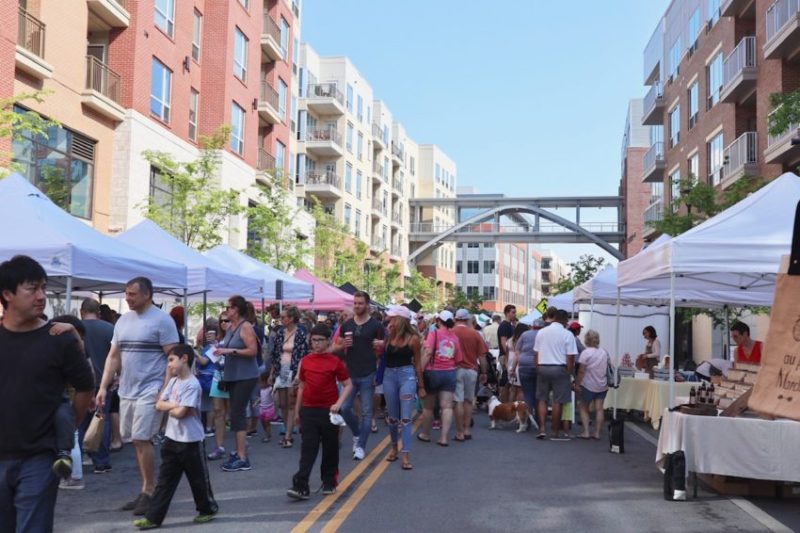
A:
(266, 409)
(317, 400)
(182, 451)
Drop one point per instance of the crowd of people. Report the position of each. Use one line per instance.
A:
(322, 378)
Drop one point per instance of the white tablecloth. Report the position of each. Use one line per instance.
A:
(741, 447)
(647, 395)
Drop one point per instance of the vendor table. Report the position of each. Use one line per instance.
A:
(740, 447)
(647, 395)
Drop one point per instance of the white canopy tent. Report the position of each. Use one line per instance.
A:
(277, 285)
(565, 300)
(75, 256)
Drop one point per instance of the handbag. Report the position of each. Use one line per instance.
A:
(94, 434)
(612, 376)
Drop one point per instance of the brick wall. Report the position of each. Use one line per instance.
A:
(637, 198)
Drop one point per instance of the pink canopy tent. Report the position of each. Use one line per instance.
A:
(326, 297)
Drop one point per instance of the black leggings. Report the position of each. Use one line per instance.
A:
(240, 392)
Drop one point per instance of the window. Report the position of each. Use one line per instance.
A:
(194, 96)
(488, 293)
(284, 26)
(349, 137)
(472, 291)
(360, 146)
(347, 215)
(161, 188)
(240, 55)
(715, 149)
(458, 266)
(160, 90)
(675, 58)
(694, 168)
(675, 190)
(237, 129)
(714, 76)
(694, 104)
(473, 245)
(283, 90)
(713, 12)
(412, 165)
(197, 32)
(359, 177)
(348, 178)
(674, 126)
(473, 267)
(488, 267)
(60, 163)
(245, 3)
(694, 29)
(656, 191)
(358, 223)
(280, 155)
(349, 97)
(438, 173)
(360, 109)
(164, 16)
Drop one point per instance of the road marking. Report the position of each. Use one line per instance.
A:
(642, 433)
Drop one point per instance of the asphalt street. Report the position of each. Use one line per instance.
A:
(499, 481)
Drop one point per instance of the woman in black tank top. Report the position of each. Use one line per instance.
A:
(403, 356)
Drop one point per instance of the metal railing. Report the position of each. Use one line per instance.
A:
(742, 57)
(377, 169)
(378, 206)
(377, 132)
(743, 151)
(323, 177)
(397, 218)
(775, 139)
(396, 251)
(650, 99)
(324, 134)
(397, 184)
(655, 211)
(397, 151)
(378, 244)
(653, 155)
(102, 79)
(318, 91)
(30, 34)
(266, 161)
(271, 28)
(779, 14)
(489, 227)
(269, 95)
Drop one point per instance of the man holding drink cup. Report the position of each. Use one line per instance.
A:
(360, 344)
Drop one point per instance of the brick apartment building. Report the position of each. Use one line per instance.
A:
(635, 142)
(711, 66)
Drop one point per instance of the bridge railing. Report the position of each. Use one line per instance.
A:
(489, 227)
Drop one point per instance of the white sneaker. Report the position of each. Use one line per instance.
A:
(355, 444)
(358, 453)
(71, 484)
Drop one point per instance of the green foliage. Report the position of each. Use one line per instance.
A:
(197, 211)
(14, 125)
(270, 222)
(581, 271)
(423, 289)
(786, 111)
(460, 300)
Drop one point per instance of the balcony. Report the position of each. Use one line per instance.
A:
(271, 39)
(397, 186)
(740, 158)
(377, 172)
(653, 107)
(30, 47)
(378, 142)
(739, 72)
(780, 148)
(107, 14)
(397, 252)
(653, 164)
(269, 104)
(783, 30)
(378, 244)
(397, 219)
(653, 213)
(102, 93)
(378, 209)
(323, 184)
(397, 154)
(266, 161)
(325, 99)
(738, 8)
(324, 142)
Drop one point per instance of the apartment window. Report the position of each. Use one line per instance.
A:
(385, 201)
(60, 163)
(656, 191)
(473, 267)
(458, 266)
(283, 90)
(412, 165)
(488, 267)
(160, 90)
(675, 59)
(349, 97)
(349, 137)
(194, 97)
(675, 188)
(360, 108)
(197, 33)
(714, 76)
(347, 214)
(348, 178)
(694, 168)
(284, 26)
(360, 146)
(358, 223)
(694, 29)
(674, 126)
(240, 55)
(715, 148)
(489, 293)
(245, 3)
(713, 12)
(164, 16)
(280, 155)
(359, 177)
(472, 291)
(473, 245)
(161, 188)
(694, 104)
(237, 129)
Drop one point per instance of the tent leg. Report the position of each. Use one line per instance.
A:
(186, 316)
(591, 311)
(672, 362)
(616, 350)
(726, 344)
(263, 315)
(205, 317)
(68, 302)
(100, 296)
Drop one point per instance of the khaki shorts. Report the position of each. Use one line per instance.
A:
(466, 379)
(138, 418)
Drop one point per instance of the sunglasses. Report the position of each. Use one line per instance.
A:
(225, 321)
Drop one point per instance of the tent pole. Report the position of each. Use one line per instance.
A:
(726, 344)
(672, 364)
(205, 317)
(68, 302)
(263, 320)
(591, 311)
(616, 350)
(186, 315)
(100, 296)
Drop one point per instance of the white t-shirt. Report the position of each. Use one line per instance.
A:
(595, 361)
(140, 338)
(554, 343)
(186, 393)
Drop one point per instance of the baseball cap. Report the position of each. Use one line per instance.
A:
(398, 310)
(538, 324)
(462, 314)
(575, 325)
(445, 315)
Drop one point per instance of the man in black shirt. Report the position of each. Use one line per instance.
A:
(505, 332)
(36, 368)
(360, 341)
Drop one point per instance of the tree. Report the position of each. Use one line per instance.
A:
(581, 271)
(423, 289)
(14, 125)
(196, 210)
(329, 241)
(785, 111)
(473, 303)
(269, 226)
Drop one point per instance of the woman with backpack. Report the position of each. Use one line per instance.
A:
(591, 386)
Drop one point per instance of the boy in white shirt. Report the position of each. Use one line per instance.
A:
(182, 450)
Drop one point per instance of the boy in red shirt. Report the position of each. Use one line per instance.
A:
(318, 399)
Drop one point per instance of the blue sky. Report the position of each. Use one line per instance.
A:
(527, 96)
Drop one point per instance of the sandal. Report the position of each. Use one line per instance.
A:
(423, 439)
(541, 436)
(462, 439)
(392, 457)
(287, 443)
(442, 444)
(374, 427)
(407, 466)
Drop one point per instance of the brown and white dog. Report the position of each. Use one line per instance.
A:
(506, 412)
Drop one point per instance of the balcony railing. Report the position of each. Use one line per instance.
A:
(742, 57)
(397, 184)
(378, 206)
(655, 211)
(377, 131)
(318, 91)
(397, 151)
(779, 14)
(30, 34)
(323, 177)
(324, 134)
(377, 168)
(266, 161)
(102, 79)
(269, 95)
(396, 251)
(271, 28)
(775, 139)
(653, 155)
(651, 98)
(743, 151)
(378, 244)
(397, 218)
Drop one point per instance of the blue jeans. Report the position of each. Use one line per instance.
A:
(527, 378)
(364, 387)
(399, 389)
(102, 457)
(28, 489)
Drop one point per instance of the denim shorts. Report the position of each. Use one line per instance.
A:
(439, 381)
(588, 396)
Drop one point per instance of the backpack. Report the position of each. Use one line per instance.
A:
(675, 477)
